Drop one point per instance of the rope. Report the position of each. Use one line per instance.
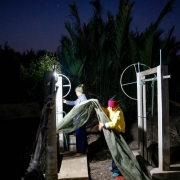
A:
(49, 104)
(34, 170)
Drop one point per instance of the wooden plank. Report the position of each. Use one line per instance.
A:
(149, 71)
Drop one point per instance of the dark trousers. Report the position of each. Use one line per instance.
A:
(114, 168)
(81, 139)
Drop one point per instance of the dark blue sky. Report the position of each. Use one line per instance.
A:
(39, 24)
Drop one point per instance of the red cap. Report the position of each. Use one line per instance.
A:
(112, 103)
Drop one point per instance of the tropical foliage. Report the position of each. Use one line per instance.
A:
(32, 78)
(97, 53)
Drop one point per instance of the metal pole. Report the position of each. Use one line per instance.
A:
(59, 109)
(160, 58)
(140, 114)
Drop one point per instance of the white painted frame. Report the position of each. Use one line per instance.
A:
(59, 104)
(163, 115)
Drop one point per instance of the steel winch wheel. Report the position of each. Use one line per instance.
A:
(138, 66)
(66, 85)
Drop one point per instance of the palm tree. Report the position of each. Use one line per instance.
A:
(120, 47)
(70, 53)
(96, 53)
(150, 42)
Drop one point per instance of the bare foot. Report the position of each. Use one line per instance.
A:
(78, 154)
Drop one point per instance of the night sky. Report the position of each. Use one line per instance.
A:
(39, 24)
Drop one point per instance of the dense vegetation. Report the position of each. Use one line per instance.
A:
(96, 54)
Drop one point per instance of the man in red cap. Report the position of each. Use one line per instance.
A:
(116, 123)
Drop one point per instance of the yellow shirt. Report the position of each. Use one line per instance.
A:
(116, 118)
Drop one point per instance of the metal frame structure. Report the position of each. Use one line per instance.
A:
(164, 170)
(163, 115)
(59, 103)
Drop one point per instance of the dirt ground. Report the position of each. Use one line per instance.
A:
(99, 157)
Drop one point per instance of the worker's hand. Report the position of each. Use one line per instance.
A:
(101, 125)
(64, 101)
